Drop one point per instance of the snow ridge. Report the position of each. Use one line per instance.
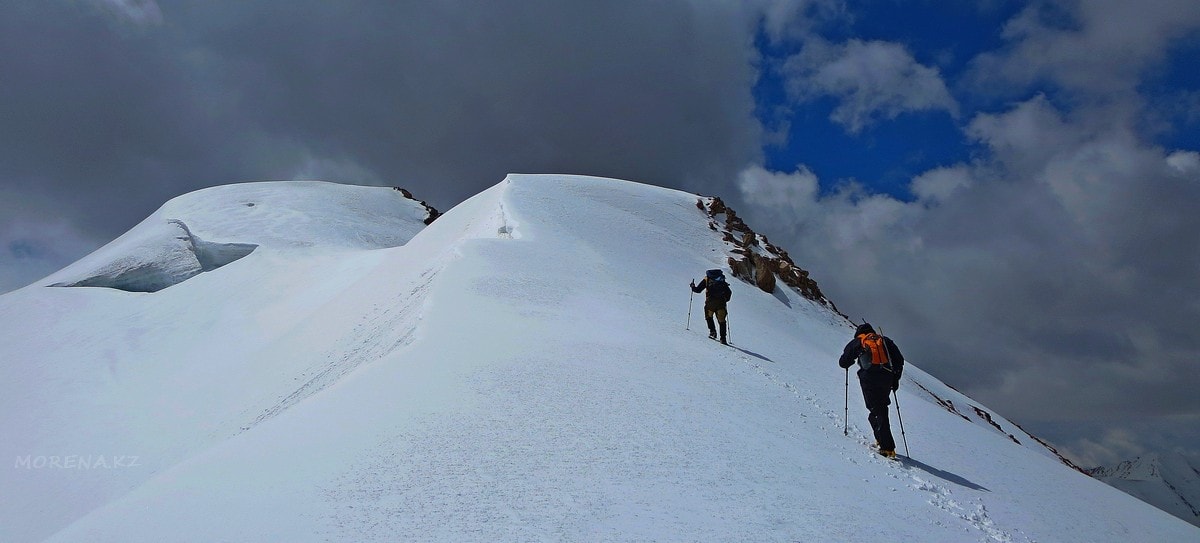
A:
(519, 369)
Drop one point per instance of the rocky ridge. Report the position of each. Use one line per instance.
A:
(755, 259)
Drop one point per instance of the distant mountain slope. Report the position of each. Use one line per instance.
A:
(520, 369)
(1167, 481)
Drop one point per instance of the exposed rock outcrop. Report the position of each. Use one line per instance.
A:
(756, 260)
(433, 213)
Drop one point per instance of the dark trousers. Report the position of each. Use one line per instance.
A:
(721, 313)
(877, 389)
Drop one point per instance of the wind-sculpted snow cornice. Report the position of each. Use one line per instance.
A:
(210, 228)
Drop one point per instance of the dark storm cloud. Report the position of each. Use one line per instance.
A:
(451, 96)
(110, 107)
(87, 113)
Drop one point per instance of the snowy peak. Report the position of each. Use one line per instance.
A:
(210, 228)
(1142, 468)
(1168, 481)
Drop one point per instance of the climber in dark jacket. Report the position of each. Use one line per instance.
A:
(879, 367)
(714, 300)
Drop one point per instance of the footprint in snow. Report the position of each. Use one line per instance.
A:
(941, 497)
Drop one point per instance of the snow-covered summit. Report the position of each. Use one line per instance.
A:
(521, 369)
(1168, 481)
(204, 230)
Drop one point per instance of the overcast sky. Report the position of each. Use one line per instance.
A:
(1008, 188)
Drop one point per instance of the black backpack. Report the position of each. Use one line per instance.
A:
(718, 289)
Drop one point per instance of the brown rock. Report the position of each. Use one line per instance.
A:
(765, 279)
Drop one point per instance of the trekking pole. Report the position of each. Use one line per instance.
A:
(689, 321)
(901, 417)
(846, 409)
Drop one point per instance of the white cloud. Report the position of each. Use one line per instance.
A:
(795, 191)
(1092, 162)
(1026, 136)
(1094, 180)
(796, 19)
(938, 185)
(1185, 162)
(872, 80)
(1104, 48)
(842, 220)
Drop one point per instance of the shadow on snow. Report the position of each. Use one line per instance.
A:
(941, 474)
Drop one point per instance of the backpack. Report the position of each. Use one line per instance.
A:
(874, 352)
(718, 289)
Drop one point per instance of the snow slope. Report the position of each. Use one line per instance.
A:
(1167, 481)
(519, 370)
(115, 386)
